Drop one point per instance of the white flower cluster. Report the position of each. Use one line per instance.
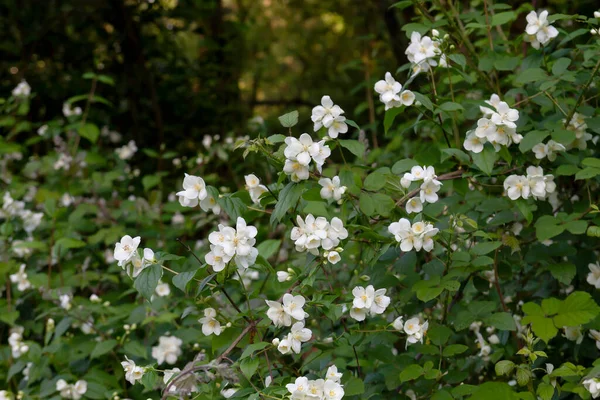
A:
(418, 235)
(320, 389)
(413, 327)
(428, 190)
(484, 347)
(20, 278)
(548, 150)
(65, 301)
(496, 126)
(292, 342)
(22, 89)
(69, 111)
(299, 153)
(126, 253)
(168, 349)
(209, 322)
(194, 192)
(14, 208)
(423, 52)
(332, 188)
(73, 391)
(133, 373)
(281, 314)
(312, 233)
(15, 340)
(535, 184)
(368, 301)
(538, 30)
(127, 151)
(391, 93)
(330, 116)
(254, 187)
(592, 385)
(577, 124)
(229, 243)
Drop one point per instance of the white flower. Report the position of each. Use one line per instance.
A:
(418, 236)
(125, 249)
(548, 150)
(75, 391)
(194, 190)
(163, 289)
(209, 203)
(254, 187)
(22, 89)
(297, 171)
(277, 314)
(293, 306)
(517, 186)
(168, 349)
(227, 393)
(593, 278)
(300, 386)
(167, 375)
(325, 114)
(301, 150)
(358, 314)
(429, 189)
(230, 243)
(421, 52)
(299, 335)
(283, 276)
(42, 130)
(332, 390)
(20, 278)
(338, 125)
(65, 301)
(68, 111)
(133, 373)
(388, 89)
(127, 151)
(505, 115)
(415, 331)
(474, 143)
(398, 324)
(494, 101)
(333, 374)
(285, 345)
(363, 297)
(217, 258)
(333, 257)
(209, 322)
(331, 188)
(312, 233)
(380, 302)
(15, 341)
(592, 386)
(538, 30)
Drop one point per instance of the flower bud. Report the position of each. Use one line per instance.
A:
(365, 278)
(593, 31)
(596, 14)
(50, 325)
(228, 325)
(275, 342)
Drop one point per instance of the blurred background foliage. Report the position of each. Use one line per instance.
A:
(187, 68)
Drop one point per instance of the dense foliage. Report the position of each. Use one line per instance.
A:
(449, 251)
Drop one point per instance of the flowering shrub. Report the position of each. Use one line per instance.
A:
(459, 260)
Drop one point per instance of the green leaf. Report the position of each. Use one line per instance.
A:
(411, 372)
(547, 227)
(146, 281)
(204, 282)
(149, 181)
(566, 170)
(353, 146)
(591, 162)
(404, 165)
(504, 367)
(249, 366)
(353, 387)
(450, 106)
(375, 181)
(459, 59)
(454, 349)
(251, 348)
(545, 391)
(458, 154)
(69, 243)
(493, 391)
(503, 17)
(531, 139)
(507, 63)
(288, 198)
(150, 379)
(233, 206)
(577, 309)
(89, 131)
(525, 209)
(560, 66)
(183, 278)
(502, 321)
(587, 173)
(563, 272)
(290, 119)
(102, 348)
(424, 100)
(531, 75)
(268, 248)
(366, 204)
(384, 204)
(389, 117)
(483, 248)
(439, 334)
(486, 159)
